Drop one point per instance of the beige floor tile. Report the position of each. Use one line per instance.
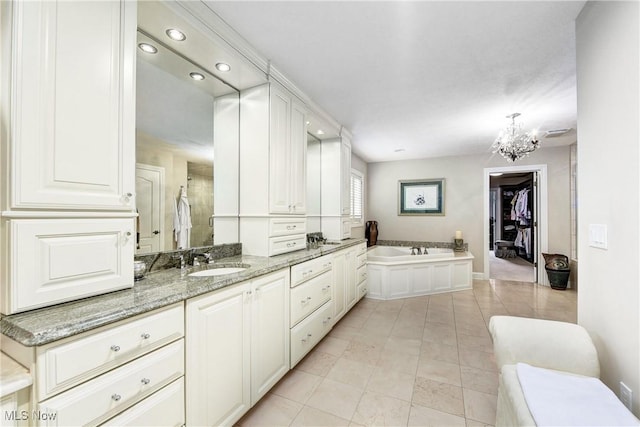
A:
(473, 423)
(272, 411)
(336, 398)
(438, 315)
(403, 345)
(407, 331)
(297, 385)
(439, 351)
(421, 416)
(362, 352)
(477, 359)
(398, 361)
(473, 342)
(333, 346)
(379, 410)
(309, 416)
(351, 372)
(480, 406)
(479, 380)
(440, 371)
(355, 321)
(317, 363)
(440, 396)
(343, 331)
(392, 383)
(440, 333)
(478, 329)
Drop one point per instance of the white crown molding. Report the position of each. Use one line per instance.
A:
(65, 214)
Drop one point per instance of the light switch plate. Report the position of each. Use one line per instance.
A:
(598, 236)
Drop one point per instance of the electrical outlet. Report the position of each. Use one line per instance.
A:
(626, 395)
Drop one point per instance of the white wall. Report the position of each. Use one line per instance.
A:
(608, 186)
(463, 199)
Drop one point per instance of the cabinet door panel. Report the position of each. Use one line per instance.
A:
(218, 357)
(269, 332)
(70, 259)
(298, 150)
(73, 133)
(279, 169)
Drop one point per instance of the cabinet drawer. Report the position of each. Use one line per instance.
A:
(361, 260)
(309, 296)
(63, 364)
(307, 270)
(362, 249)
(287, 226)
(281, 245)
(361, 274)
(57, 260)
(163, 408)
(309, 332)
(107, 395)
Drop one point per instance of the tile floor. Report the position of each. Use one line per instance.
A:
(424, 361)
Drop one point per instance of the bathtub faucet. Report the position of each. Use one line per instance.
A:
(415, 250)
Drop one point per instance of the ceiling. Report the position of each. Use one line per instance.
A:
(422, 79)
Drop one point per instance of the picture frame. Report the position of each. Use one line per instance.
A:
(421, 197)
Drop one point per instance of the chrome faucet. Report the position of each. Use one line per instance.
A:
(415, 250)
(206, 256)
(180, 257)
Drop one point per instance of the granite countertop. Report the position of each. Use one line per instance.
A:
(157, 289)
(13, 376)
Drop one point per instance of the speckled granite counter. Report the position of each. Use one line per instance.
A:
(157, 289)
(13, 376)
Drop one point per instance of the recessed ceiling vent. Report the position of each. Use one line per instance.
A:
(556, 132)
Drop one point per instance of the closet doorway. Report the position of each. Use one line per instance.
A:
(515, 223)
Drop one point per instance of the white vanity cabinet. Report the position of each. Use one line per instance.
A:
(67, 107)
(237, 348)
(349, 278)
(71, 104)
(335, 204)
(91, 377)
(272, 171)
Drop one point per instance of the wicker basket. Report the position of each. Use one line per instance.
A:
(558, 270)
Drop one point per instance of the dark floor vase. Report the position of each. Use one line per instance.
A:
(371, 232)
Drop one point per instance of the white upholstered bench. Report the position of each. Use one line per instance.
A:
(551, 345)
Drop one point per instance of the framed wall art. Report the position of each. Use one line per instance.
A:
(421, 197)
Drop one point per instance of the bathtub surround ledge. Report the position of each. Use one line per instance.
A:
(422, 244)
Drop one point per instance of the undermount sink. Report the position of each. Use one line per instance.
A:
(330, 243)
(221, 271)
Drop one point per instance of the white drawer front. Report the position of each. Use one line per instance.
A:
(163, 408)
(362, 249)
(361, 260)
(309, 332)
(362, 290)
(361, 274)
(346, 228)
(61, 365)
(287, 226)
(105, 396)
(57, 260)
(309, 296)
(281, 245)
(307, 270)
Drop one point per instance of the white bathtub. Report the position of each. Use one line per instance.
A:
(394, 273)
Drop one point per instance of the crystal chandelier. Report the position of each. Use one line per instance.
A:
(512, 144)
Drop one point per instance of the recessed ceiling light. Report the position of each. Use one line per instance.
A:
(221, 66)
(398, 150)
(176, 35)
(147, 48)
(196, 76)
(320, 132)
(496, 174)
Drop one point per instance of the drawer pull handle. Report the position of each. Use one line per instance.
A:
(145, 381)
(116, 397)
(115, 348)
(304, 301)
(145, 336)
(309, 335)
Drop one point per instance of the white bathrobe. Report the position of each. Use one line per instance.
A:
(182, 221)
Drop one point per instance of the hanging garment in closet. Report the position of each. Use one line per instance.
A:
(521, 205)
(182, 221)
(523, 240)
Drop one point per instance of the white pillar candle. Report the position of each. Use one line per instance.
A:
(458, 234)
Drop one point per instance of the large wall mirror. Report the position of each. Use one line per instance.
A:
(314, 180)
(177, 128)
